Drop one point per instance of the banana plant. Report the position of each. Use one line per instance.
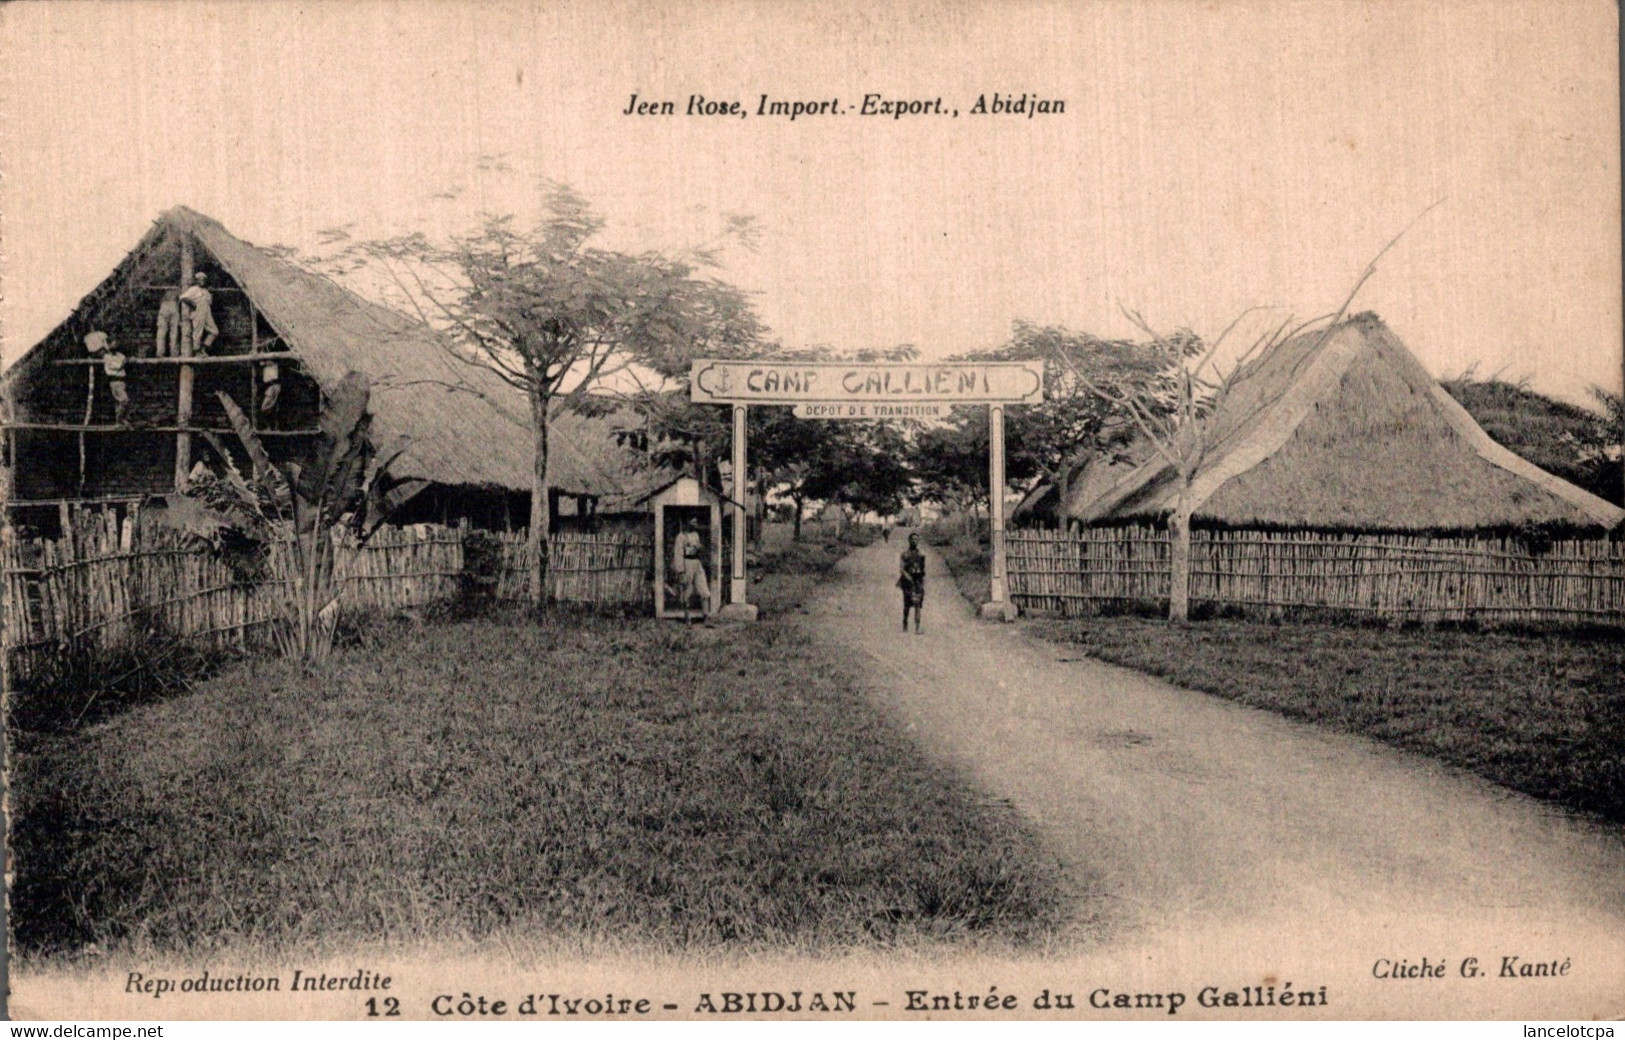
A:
(342, 482)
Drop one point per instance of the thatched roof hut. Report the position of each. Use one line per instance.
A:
(1343, 429)
(469, 430)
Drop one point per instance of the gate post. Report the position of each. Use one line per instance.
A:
(998, 606)
(737, 609)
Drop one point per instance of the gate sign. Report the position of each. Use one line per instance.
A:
(872, 410)
(797, 382)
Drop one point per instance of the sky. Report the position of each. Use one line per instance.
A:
(1210, 158)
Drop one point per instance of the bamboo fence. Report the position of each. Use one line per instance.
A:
(596, 567)
(110, 583)
(1402, 577)
(602, 568)
(1063, 574)
(399, 567)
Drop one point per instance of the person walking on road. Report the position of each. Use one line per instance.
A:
(912, 581)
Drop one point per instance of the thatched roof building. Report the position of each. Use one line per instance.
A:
(469, 430)
(1343, 429)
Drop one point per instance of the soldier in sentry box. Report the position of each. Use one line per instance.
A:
(912, 581)
(688, 560)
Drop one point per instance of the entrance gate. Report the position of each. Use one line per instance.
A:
(870, 390)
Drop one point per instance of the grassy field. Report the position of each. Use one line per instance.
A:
(575, 781)
(1540, 713)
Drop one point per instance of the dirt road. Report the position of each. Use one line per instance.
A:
(1215, 829)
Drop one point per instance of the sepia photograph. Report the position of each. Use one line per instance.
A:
(1071, 510)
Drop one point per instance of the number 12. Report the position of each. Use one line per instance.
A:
(392, 1008)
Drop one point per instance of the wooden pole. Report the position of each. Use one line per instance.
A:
(737, 587)
(253, 370)
(8, 449)
(998, 605)
(660, 560)
(738, 609)
(8, 416)
(11, 604)
(90, 407)
(183, 403)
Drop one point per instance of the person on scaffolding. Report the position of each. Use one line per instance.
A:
(102, 346)
(197, 307)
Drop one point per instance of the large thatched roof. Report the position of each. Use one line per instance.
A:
(1343, 428)
(467, 426)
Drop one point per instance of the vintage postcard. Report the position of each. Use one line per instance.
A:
(1097, 510)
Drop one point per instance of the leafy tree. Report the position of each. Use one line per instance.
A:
(555, 316)
(670, 431)
(862, 467)
(793, 455)
(950, 459)
(876, 473)
(853, 464)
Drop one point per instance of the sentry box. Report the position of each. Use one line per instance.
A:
(688, 550)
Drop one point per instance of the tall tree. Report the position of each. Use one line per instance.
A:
(1179, 428)
(949, 459)
(555, 316)
(1053, 438)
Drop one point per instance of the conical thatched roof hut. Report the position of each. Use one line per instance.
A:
(1343, 429)
(469, 430)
